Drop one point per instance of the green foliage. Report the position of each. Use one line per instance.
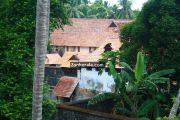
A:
(100, 98)
(156, 33)
(126, 11)
(100, 9)
(17, 32)
(166, 118)
(146, 107)
(136, 92)
(139, 69)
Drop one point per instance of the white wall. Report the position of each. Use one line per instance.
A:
(91, 80)
(84, 49)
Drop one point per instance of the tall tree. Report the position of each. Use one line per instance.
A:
(17, 37)
(99, 9)
(126, 11)
(75, 8)
(156, 32)
(42, 33)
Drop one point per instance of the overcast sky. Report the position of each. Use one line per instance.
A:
(136, 4)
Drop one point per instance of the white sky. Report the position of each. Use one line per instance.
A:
(136, 4)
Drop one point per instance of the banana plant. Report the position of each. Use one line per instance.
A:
(136, 92)
(148, 84)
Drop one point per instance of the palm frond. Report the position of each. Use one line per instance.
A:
(127, 100)
(146, 107)
(150, 83)
(126, 76)
(123, 64)
(160, 80)
(161, 73)
(156, 110)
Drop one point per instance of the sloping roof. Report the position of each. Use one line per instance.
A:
(86, 32)
(65, 86)
(67, 58)
(96, 55)
(52, 58)
(65, 61)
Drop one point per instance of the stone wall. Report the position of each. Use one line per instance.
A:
(53, 73)
(79, 111)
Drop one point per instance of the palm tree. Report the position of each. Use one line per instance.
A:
(42, 31)
(75, 8)
(126, 11)
(74, 11)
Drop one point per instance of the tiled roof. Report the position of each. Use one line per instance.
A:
(66, 58)
(52, 58)
(96, 55)
(65, 61)
(86, 32)
(65, 86)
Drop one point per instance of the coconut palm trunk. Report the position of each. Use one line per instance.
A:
(42, 33)
(175, 106)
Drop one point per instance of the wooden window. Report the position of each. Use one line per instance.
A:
(78, 48)
(72, 49)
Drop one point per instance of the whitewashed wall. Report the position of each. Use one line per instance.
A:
(91, 80)
(84, 49)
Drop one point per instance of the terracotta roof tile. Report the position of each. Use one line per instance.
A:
(96, 55)
(86, 32)
(65, 61)
(65, 86)
(52, 58)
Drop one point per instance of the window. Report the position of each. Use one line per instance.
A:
(97, 69)
(78, 48)
(92, 49)
(72, 49)
(88, 69)
(107, 47)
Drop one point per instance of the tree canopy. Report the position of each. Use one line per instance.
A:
(100, 9)
(17, 32)
(156, 32)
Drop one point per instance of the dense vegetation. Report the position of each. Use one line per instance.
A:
(155, 33)
(137, 93)
(100, 9)
(17, 39)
